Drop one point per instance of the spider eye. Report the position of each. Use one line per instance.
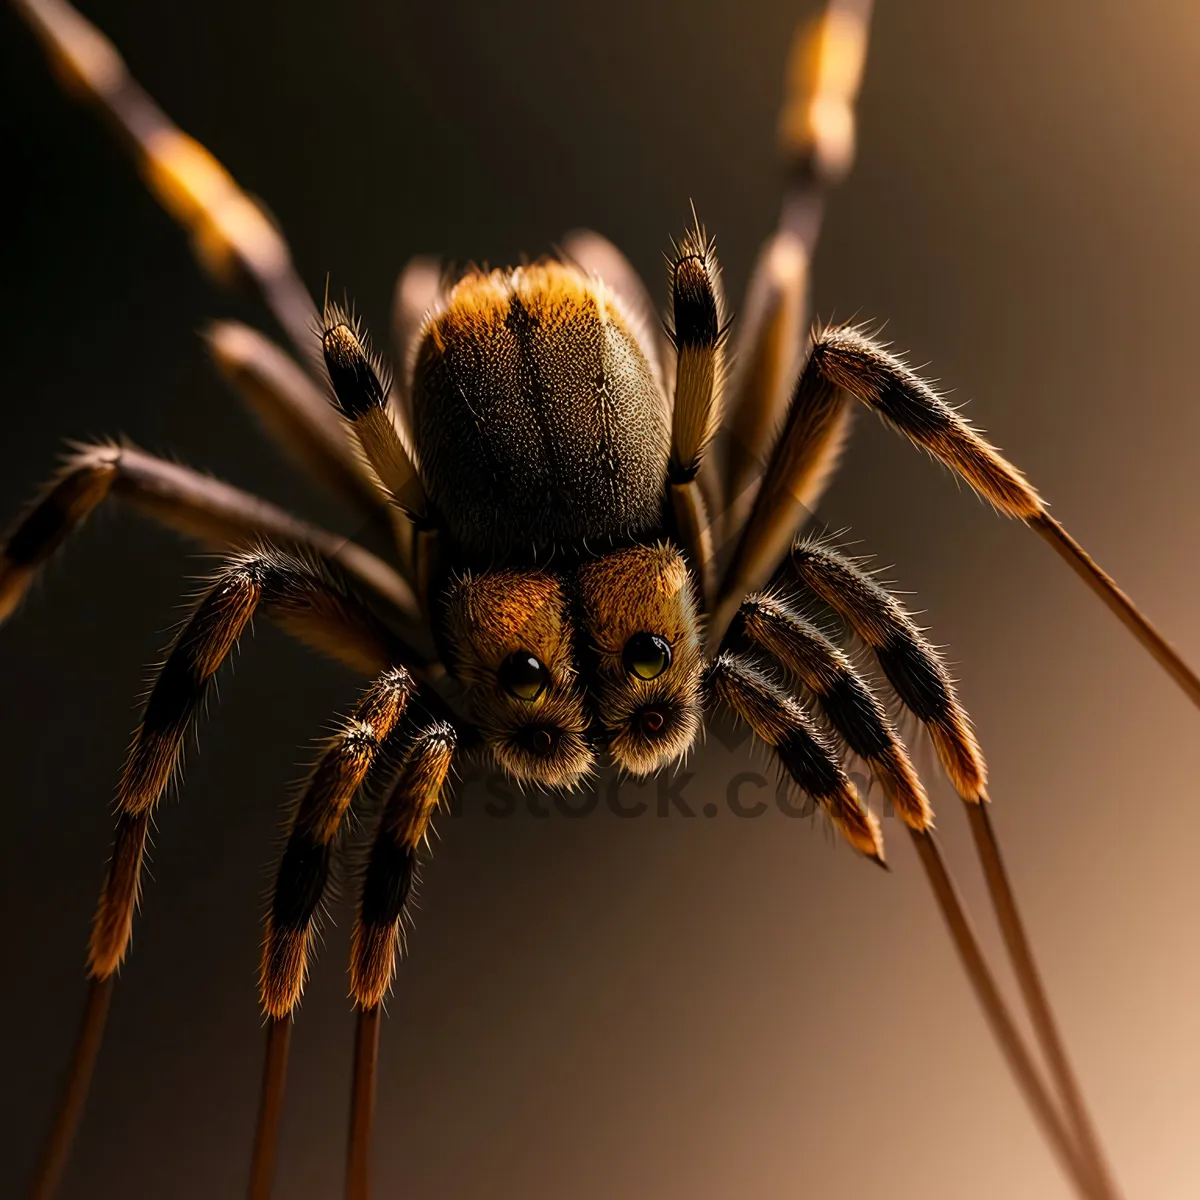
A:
(524, 675)
(646, 655)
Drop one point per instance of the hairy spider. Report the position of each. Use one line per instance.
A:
(592, 551)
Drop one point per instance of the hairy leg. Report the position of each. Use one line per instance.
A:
(214, 512)
(379, 929)
(923, 685)
(801, 750)
(295, 411)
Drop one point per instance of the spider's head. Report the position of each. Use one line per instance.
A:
(513, 644)
(641, 625)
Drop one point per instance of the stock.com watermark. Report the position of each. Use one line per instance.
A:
(686, 795)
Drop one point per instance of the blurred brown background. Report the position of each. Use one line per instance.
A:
(638, 1008)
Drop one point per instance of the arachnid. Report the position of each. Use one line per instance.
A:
(560, 479)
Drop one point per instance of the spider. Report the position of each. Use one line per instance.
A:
(595, 544)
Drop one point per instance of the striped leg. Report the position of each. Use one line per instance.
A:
(379, 930)
(354, 753)
(216, 513)
(768, 625)
(304, 600)
(362, 393)
(699, 332)
(923, 685)
(803, 752)
(906, 402)
(295, 412)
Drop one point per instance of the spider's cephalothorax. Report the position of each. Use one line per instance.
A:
(553, 472)
(542, 436)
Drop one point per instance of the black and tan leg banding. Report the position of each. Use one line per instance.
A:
(884, 383)
(387, 883)
(698, 331)
(299, 597)
(780, 721)
(213, 512)
(913, 667)
(304, 869)
(292, 408)
(361, 388)
(852, 361)
(858, 718)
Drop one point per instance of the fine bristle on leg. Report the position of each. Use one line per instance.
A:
(209, 510)
(414, 797)
(304, 869)
(300, 598)
(300, 884)
(291, 407)
(884, 383)
(361, 392)
(913, 667)
(843, 696)
(780, 721)
(923, 685)
(377, 940)
(698, 332)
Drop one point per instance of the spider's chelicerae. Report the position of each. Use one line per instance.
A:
(558, 475)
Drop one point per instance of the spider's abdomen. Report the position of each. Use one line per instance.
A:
(539, 420)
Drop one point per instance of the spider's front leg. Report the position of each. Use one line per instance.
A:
(306, 601)
(807, 757)
(357, 754)
(378, 936)
(300, 598)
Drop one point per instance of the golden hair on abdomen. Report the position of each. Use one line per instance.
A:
(626, 595)
(498, 616)
(540, 420)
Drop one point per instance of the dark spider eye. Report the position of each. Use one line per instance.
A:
(523, 675)
(646, 655)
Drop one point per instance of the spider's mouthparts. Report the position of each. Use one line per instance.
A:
(651, 720)
(538, 739)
